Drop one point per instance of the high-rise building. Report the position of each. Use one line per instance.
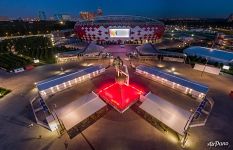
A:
(230, 18)
(66, 17)
(99, 12)
(4, 18)
(58, 17)
(42, 15)
(86, 15)
(62, 17)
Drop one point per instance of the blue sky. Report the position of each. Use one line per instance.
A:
(151, 8)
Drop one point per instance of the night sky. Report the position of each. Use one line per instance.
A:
(150, 8)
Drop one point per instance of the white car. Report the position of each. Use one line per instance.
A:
(122, 46)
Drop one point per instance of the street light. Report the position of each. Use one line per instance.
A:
(173, 69)
(204, 67)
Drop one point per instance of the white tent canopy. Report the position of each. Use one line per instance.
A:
(78, 110)
(93, 49)
(147, 49)
(171, 115)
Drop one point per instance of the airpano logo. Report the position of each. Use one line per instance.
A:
(217, 144)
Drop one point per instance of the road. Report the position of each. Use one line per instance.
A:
(114, 130)
(23, 36)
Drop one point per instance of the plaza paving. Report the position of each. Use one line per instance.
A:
(114, 130)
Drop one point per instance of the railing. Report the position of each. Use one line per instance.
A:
(197, 123)
(37, 120)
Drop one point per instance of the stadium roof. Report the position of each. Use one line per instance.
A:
(176, 54)
(93, 48)
(210, 54)
(173, 78)
(78, 110)
(70, 53)
(171, 115)
(147, 49)
(51, 82)
(121, 19)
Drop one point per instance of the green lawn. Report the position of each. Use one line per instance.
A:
(30, 48)
(4, 92)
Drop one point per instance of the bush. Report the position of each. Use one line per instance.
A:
(4, 92)
(33, 47)
(10, 61)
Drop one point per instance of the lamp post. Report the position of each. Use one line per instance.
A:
(61, 125)
(186, 128)
(204, 67)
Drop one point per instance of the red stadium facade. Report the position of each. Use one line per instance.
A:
(120, 29)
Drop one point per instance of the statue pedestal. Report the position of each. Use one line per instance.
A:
(121, 79)
(120, 96)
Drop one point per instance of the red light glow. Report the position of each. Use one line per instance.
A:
(120, 96)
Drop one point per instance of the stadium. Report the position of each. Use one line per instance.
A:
(120, 30)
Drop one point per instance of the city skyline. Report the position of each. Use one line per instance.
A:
(150, 8)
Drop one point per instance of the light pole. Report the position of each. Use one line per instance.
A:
(204, 67)
(186, 128)
(61, 125)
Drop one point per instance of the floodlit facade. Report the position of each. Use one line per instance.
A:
(185, 86)
(120, 29)
(59, 83)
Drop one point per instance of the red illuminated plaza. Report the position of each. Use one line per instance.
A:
(119, 96)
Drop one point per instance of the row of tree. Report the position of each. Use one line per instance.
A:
(196, 59)
(17, 27)
(10, 61)
(205, 23)
(37, 47)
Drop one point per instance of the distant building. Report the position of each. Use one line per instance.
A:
(66, 17)
(224, 41)
(86, 15)
(230, 18)
(51, 18)
(62, 17)
(42, 15)
(30, 19)
(4, 18)
(57, 17)
(99, 12)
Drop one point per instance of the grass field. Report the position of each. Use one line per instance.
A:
(4, 92)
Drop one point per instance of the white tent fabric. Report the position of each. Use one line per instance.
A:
(93, 49)
(171, 115)
(147, 49)
(79, 110)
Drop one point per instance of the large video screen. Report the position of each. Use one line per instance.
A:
(119, 33)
